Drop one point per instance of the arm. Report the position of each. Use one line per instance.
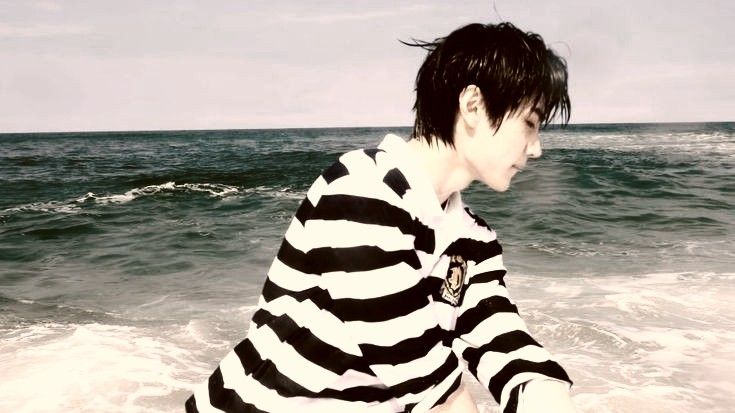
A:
(494, 340)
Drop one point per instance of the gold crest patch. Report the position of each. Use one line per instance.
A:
(452, 286)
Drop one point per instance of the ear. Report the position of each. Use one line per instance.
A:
(471, 105)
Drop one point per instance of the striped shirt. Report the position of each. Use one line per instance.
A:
(377, 300)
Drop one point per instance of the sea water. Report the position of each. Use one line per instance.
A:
(130, 263)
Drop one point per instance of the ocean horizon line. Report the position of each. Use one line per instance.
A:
(549, 127)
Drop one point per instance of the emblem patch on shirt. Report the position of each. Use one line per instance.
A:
(452, 286)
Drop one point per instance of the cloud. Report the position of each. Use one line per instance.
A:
(356, 16)
(47, 5)
(97, 66)
(42, 30)
(54, 93)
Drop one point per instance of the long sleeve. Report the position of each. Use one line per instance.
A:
(541, 396)
(490, 335)
(344, 322)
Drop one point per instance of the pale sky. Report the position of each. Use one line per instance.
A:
(151, 65)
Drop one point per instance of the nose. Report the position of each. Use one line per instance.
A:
(533, 150)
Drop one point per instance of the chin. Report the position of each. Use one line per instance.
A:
(498, 186)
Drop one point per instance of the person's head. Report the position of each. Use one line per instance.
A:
(513, 70)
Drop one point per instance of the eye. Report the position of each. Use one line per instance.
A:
(531, 124)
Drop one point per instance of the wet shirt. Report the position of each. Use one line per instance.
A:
(378, 299)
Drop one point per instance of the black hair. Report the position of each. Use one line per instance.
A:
(512, 68)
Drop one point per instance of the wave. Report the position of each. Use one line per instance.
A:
(19, 312)
(74, 206)
(56, 207)
(275, 192)
(96, 367)
(120, 364)
(625, 338)
(215, 190)
(720, 144)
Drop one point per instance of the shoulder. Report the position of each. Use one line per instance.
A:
(476, 227)
(367, 173)
(476, 219)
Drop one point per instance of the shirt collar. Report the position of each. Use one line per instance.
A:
(418, 179)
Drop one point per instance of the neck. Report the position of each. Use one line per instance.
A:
(442, 165)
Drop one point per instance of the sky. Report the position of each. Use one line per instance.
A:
(173, 65)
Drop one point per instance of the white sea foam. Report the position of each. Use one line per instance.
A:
(275, 192)
(689, 143)
(94, 368)
(660, 342)
(56, 207)
(215, 190)
(73, 206)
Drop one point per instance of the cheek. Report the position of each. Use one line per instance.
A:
(486, 161)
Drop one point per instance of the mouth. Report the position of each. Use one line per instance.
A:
(517, 168)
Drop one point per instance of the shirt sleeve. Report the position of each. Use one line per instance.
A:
(541, 396)
(366, 246)
(490, 334)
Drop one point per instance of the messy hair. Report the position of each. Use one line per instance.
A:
(512, 69)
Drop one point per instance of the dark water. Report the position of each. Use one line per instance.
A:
(150, 247)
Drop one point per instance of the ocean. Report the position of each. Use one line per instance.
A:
(131, 262)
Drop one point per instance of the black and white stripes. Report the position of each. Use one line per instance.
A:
(350, 317)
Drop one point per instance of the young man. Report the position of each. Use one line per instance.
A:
(386, 287)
